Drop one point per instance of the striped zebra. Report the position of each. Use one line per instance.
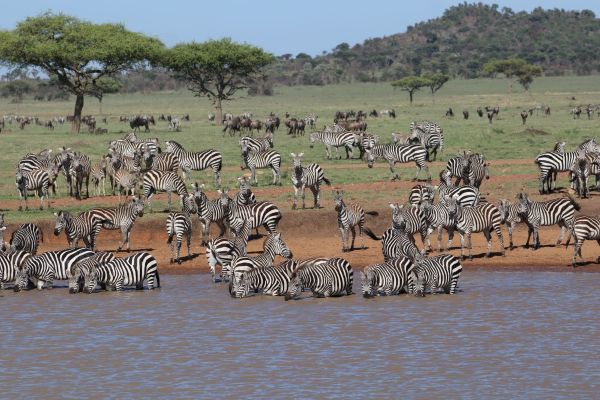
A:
(580, 173)
(274, 245)
(37, 180)
(122, 162)
(476, 170)
(594, 163)
(49, 266)
(26, 238)
(84, 226)
(80, 169)
(456, 166)
(331, 279)
(122, 217)
(510, 216)
(180, 224)
(126, 181)
(262, 213)
(348, 217)
(421, 194)
(467, 196)
(222, 250)
(559, 211)
(121, 272)
(555, 161)
(160, 161)
(311, 120)
(399, 154)
(399, 138)
(438, 217)
(77, 270)
(162, 181)
(10, 264)
(412, 219)
(125, 148)
(440, 272)
(98, 175)
(196, 161)
(258, 144)
(584, 228)
(209, 211)
(388, 278)
(480, 218)
(395, 242)
(365, 141)
(261, 159)
(336, 140)
(309, 176)
(430, 141)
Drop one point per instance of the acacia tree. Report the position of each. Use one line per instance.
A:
(216, 69)
(77, 53)
(411, 84)
(436, 81)
(513, 69)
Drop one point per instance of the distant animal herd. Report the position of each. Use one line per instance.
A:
(454, 204)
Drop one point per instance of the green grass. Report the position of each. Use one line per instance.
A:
(506, 138)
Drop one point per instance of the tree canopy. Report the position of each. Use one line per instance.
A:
(216, 69)
(514, 68)
(77, 53)
(411, 84)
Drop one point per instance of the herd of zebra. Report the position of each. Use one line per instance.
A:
(405, 268)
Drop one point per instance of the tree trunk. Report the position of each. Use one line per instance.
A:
(433, 96)
(410, 95)
(219, 108)
(76, 126)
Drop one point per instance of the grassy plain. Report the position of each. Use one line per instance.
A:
(505, 139)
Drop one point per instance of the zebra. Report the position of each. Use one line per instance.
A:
(421, 194)
(510, 216)
(429, 140)
(262, 159)
(196, 161)
(175, 125)
(559, 211)
(160, 161)
(388, 278)
(480, 218)
(77, 270)
(163, 181)
(261, 213)
(26, 238)
(123, 147)
(122, 162)
(311, 120)
(180, 224)
(584, 228)
(594, 165)
(334, 139)
(476, 169)
(412, 219)
(85, 226)
(222, 250)
(36, 179)
(401, 154)
(456, 166)
(467, 196)
(400, 138)
(126, 180)
(98, 175)
(258, 144)
(46, 267)
(122, 217)
(80, 169)
(395, 242)
(331, 279)
(274, 245)
(365, 141)
(272, 280)
(580, 172)
(10, 264)
(438, 217)
(121, 272)
(555, 161)
(209, 211)
(440, 272)
(309, 176)
(348, 217)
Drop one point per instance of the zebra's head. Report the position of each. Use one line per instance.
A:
(417, 274)
(295, 286)
(22, 276)
(398, 220)
(137, 205)
(297, 160)
(452, 205)
(277, 246)
(224, 198)
(62, 219)
(171, 146)
(445, 176)
(244, 147)
(367, 278)
(338, 199)
(245, 187)
(188, 204)
(503, 206)
(523, 203)
(90, 276)
(370, 158)
(76, 277)
(242, 286)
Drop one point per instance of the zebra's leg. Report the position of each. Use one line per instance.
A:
(344, 236)
(536, 238)
(303, 196)
(179, 249)
(542, 180)
(510, 226)
(188, 237)
(253, 171)
(439, 236)
(295, 205)
(337, 153)
(393, 173)
(498, 230)
(577, 250)
(353, 230)
(488, 238)
(361, 229)
(563, 228)
(450, 231)
(529, 232)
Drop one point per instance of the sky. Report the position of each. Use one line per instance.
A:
(278, 26)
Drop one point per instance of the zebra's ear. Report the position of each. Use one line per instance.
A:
(300, 155)
(392, 206)
(219, 191)
(3, 228)
(56, 214)
(293, 155)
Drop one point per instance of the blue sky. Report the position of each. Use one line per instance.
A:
(309, 26)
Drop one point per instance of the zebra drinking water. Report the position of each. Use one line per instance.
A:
(331, 279)
(388, 278)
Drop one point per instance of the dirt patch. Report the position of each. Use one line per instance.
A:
(533, 132)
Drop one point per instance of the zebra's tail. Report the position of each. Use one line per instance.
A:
(327, 181)
(373, 213)
(571, 235)
(41, 236)
(157, 277)
(574, 202)
(372, 235)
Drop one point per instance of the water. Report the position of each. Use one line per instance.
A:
(523, 335)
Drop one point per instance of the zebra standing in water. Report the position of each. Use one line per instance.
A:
(559, 211)
(510, 216)
(85, 226)
(196, 161)
(310, 177)
(481, 218)
(441, 272)
(38, 180)
(10, 264)
(163, 181)
(556, 161)
(348, 217)
(262, 159)
(388, 278)
(209, 211)
(179, 224)
(26, 238)
(334, 139)
(222, 250)
(467, 196)
(331, 279)
(429, 140)
(402, 154)
(76, 273)
(395, 242)
(49, 266)
(121, 272)
(584, 228)
(122, 217)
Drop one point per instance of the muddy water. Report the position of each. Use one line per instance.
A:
(524, 334)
